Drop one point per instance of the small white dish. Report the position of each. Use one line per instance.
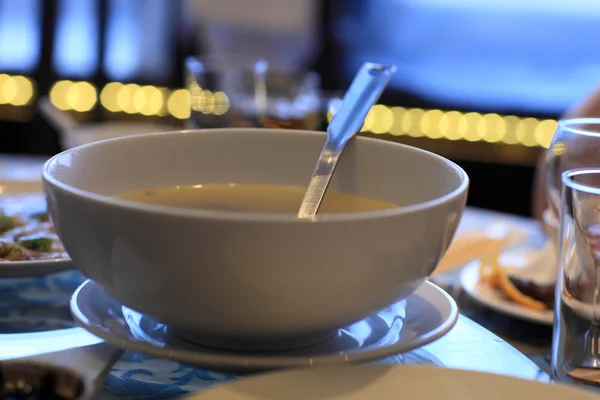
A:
(421, 318)
(387, 382)
(473, 285)
(29, 196)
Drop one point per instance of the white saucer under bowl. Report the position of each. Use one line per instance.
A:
(423, 317)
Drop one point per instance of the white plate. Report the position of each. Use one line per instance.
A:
(386, 382)
(480, 291)
(423, 317)
(21, 269)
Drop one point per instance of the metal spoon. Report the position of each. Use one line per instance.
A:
(367, 86)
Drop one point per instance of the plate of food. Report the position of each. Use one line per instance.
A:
(29, 245)
(520, 283)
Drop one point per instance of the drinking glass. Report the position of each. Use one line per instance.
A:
(240, 91)
(576, 144)
(576, 341)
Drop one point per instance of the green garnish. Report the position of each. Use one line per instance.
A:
(7, 223)
(37, 243)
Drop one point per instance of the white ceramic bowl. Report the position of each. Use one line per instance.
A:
(252, 279)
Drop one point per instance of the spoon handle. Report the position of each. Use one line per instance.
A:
(364, 91)
(367, 86)
(319, 181)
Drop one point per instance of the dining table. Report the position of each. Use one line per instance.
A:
(35, 318)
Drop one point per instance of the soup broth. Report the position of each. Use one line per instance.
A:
(252, 198)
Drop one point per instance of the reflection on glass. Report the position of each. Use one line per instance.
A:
(20, 25)
(76, 40)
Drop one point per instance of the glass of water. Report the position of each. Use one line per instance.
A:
(576, 341)
(239, 91)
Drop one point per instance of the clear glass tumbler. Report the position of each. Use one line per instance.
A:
(238, 91)
(576, 341)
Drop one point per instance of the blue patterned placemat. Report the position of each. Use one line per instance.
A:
(37, 304)
(42, 304)
(147, 378)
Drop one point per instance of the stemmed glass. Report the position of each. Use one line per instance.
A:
(576, 144)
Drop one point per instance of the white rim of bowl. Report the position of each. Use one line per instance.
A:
(253, 216)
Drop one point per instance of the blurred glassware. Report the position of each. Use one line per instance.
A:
(240, 91)
(576, 144)
(576, 341)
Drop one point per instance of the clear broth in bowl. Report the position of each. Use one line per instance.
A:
(252, 198)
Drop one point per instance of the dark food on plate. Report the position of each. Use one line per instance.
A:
(524, 293)
(28, 237)
(543, 293)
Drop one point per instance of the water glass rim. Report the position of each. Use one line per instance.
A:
(568, 180)
(573, 125)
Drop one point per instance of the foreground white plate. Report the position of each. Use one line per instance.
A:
(480, 291)
(19, 269)
(385, 382)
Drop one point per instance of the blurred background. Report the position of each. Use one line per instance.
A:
(480, 82)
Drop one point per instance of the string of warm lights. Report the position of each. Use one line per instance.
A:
(454, 125)
(77, 96)
(150, 100)
(134, 99)
(16, 90)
